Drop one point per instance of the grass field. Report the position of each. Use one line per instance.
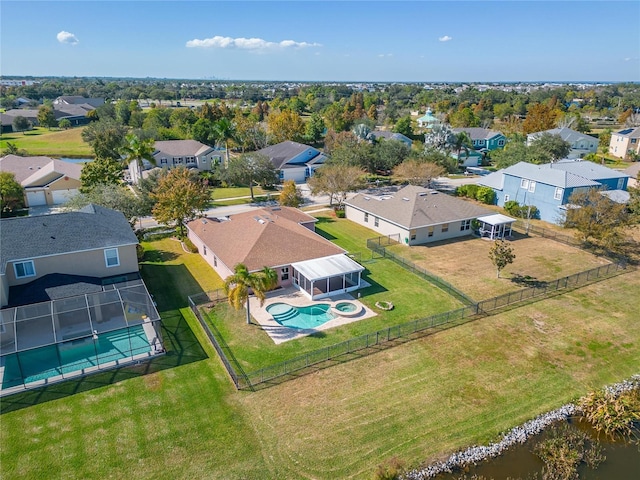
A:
(465, 263)
(179, 416)
(50, 143)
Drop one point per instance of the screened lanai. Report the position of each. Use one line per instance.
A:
(46, 342)
(323, 277)
(496, 226)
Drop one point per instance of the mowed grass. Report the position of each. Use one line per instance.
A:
(465, 263)
(180, 417)
(50, 143)
(221, 193)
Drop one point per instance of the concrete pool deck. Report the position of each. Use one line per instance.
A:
(295, 297)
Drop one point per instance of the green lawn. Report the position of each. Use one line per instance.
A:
(221, 193)
(180, 417)
(51, 143)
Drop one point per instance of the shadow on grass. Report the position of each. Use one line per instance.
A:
(374, 287)
(158, 256)
(528, 281)
(166, 283)
(321, 232)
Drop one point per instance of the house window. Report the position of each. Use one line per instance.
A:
(445, 227)
(190, 161)
(163, 161)
(111, 257)
(24, 269)
(524, 183)
(284, 275)
(558, 193)
(204, 250)
(376, 221)
(501, 143)
(366, 217)
(532, 186)
(430, 231)
(506, 198)
(215, 261)
(620, 183)
(465, 225)
(413, 234)
(633, 140)
(281, 174)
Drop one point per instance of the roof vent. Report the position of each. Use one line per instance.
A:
(422, 194)
(204, 221)
(434, 192)
(405, 199)
(367, 198)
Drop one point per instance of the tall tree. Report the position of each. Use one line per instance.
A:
(116, 197)
(11, 193)
(418, 173)
(106, 137)
(180, 197)
(46, 117)
(250, 168)
(554, 145)
(286, 125)
(20, 124)
(336, 180)
(315, 128)
(134, 152)
(539, 117)
(237, 286)
(224, 132)
(101, 171)
(403, 126)
(290, 195)
(501, 254)
(459, 142)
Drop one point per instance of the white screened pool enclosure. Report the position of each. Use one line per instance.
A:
(323, 277)
(47, 342)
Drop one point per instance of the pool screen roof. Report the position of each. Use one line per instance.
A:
(118, 306)
(496, 219)
(326, 267)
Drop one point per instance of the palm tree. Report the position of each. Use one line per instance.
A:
(237, 286)
(459, 142)
(136, 150)
(224, 130)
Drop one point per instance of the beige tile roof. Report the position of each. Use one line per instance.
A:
(265, 237)
(414, 207)
(28, 167)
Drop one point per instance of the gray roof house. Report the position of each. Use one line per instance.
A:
(294, 161)
(415, 215)
(71, 297)
(581, 144)
(549, 186)
(78, 100)
(392, 136)
(624, 142)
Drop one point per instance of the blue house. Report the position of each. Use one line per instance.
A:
(484, 139)
(549, 186)
(294, 161)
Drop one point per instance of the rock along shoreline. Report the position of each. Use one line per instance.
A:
(517, 435)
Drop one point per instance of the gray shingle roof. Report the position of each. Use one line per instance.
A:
(26, 167)
(90, 228)
(629, 132)
(283, 152)
(566, 134)
(477, 133)
(181, 148)
(414, 207)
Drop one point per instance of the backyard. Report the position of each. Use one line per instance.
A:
(180, 417)
(465, 263)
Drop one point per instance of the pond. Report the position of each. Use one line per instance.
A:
(76, 160)
(622, 461)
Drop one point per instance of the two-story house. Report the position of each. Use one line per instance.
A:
(294, 161)
(624, 142)
(581, 144)
(549, 187)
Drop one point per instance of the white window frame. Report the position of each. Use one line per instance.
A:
(557, 195)
(620, 183)
(204, 250)
(506, 197)
(430, 230)
(284, 275)
(106, 257)
(524, 183)
(366, 217)
(444, 228)
(465, 225)
(532, 186)
(376, 222)
(25, 275)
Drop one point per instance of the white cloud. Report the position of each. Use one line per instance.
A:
(382, 55)
(446, 38)
(247, 43)
(68, 38)
(629, 59)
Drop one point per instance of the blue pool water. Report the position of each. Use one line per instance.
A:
(54, 360)
(311, 316)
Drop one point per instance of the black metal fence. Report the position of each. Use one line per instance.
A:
(522, 227)
(381, 339)
(375, 245)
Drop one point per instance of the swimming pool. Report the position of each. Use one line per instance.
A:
(311, 316)
(73, 357)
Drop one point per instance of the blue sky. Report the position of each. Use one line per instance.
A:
(412, 41)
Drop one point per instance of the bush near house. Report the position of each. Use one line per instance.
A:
(485, 195)
(513, 208)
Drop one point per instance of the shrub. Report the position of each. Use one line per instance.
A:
(140, 252)
(468, 191)
(513, 208)
(189, 245)
(340, 212)
(610, 413)
(392, 469)
(486, 195)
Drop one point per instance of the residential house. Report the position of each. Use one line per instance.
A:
(483, 139)
(282, 238)
(72, 299)
(625, 142)
(46, 181)
(74, 111)
(549, 186)
(415, 215)
(383, 134)
(294, 161)
(581, 144)
(633, 171)
(78, 100)
(428, 120)
(180, 153)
